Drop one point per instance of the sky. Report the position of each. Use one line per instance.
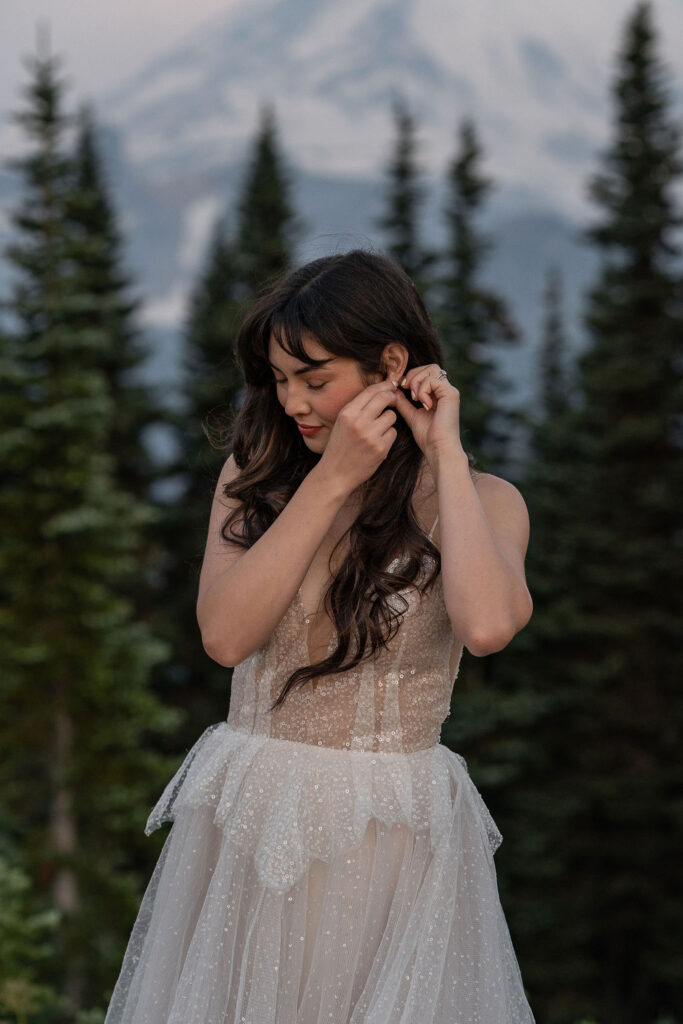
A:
(102, 42)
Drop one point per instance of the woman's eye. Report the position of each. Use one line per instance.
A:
(313, 387)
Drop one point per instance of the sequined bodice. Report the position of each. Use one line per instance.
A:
(396, 702)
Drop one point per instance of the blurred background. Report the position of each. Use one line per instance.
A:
(523, 163)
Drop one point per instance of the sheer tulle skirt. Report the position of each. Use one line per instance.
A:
(265, 908)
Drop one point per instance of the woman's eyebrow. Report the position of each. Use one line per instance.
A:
(305, 369)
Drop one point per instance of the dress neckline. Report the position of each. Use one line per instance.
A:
(299, 593)
(304, 618)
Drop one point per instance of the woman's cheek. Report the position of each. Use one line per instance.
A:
(336, 404)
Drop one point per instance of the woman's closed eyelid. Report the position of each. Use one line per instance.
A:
(313, 387)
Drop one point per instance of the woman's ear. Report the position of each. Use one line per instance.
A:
(394, 361)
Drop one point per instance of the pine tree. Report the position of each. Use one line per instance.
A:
(405, 197)
(552, 465)
(554, 392)
(191, 680)
(471, 318)
(108, 314)
(531, 694)
(76, 705)
(25, 930)
(98, 257)
(267, 227)
(626, 839)
(606, 576)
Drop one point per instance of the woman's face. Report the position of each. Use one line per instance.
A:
(315, 396)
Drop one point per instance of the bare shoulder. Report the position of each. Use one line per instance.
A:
(505, 510)
(496, 488)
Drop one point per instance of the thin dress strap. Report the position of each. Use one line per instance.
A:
(433, 525)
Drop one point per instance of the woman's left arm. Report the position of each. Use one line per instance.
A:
(484, 535)
(484, 528)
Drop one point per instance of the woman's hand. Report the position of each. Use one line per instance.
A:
(436, 427)
(362, 435)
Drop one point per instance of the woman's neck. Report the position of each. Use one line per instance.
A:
(424, 488)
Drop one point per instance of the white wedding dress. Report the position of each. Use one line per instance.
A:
(331, 862)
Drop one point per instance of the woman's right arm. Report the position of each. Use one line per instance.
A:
(243, 594)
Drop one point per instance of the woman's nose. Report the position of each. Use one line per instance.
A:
(295, 403)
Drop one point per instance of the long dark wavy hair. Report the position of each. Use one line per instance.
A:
(354, 304)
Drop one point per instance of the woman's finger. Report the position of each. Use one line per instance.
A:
(416, 378)
(422, 382)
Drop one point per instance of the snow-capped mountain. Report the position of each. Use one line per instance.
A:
(533, 74)
(535, 88)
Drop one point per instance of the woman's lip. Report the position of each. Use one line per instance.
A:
(307, 430)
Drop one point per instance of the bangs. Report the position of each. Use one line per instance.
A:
(287, 326)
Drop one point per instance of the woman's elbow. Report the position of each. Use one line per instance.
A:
(482, 644)
(489, 641)
(219, 652)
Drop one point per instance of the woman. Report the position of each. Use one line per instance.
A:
(329, 859)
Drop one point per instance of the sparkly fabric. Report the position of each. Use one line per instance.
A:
(331, 861)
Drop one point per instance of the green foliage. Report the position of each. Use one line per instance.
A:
(25, 932)
(267, 227)
(77, 708)
(470, 318)
(599, 934)
(405, 196)
(489, 723)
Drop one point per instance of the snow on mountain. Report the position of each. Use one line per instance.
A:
(533, 75)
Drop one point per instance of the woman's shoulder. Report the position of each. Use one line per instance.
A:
(504, 506)
(494, 486)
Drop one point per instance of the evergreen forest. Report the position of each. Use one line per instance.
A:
(572, 733)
